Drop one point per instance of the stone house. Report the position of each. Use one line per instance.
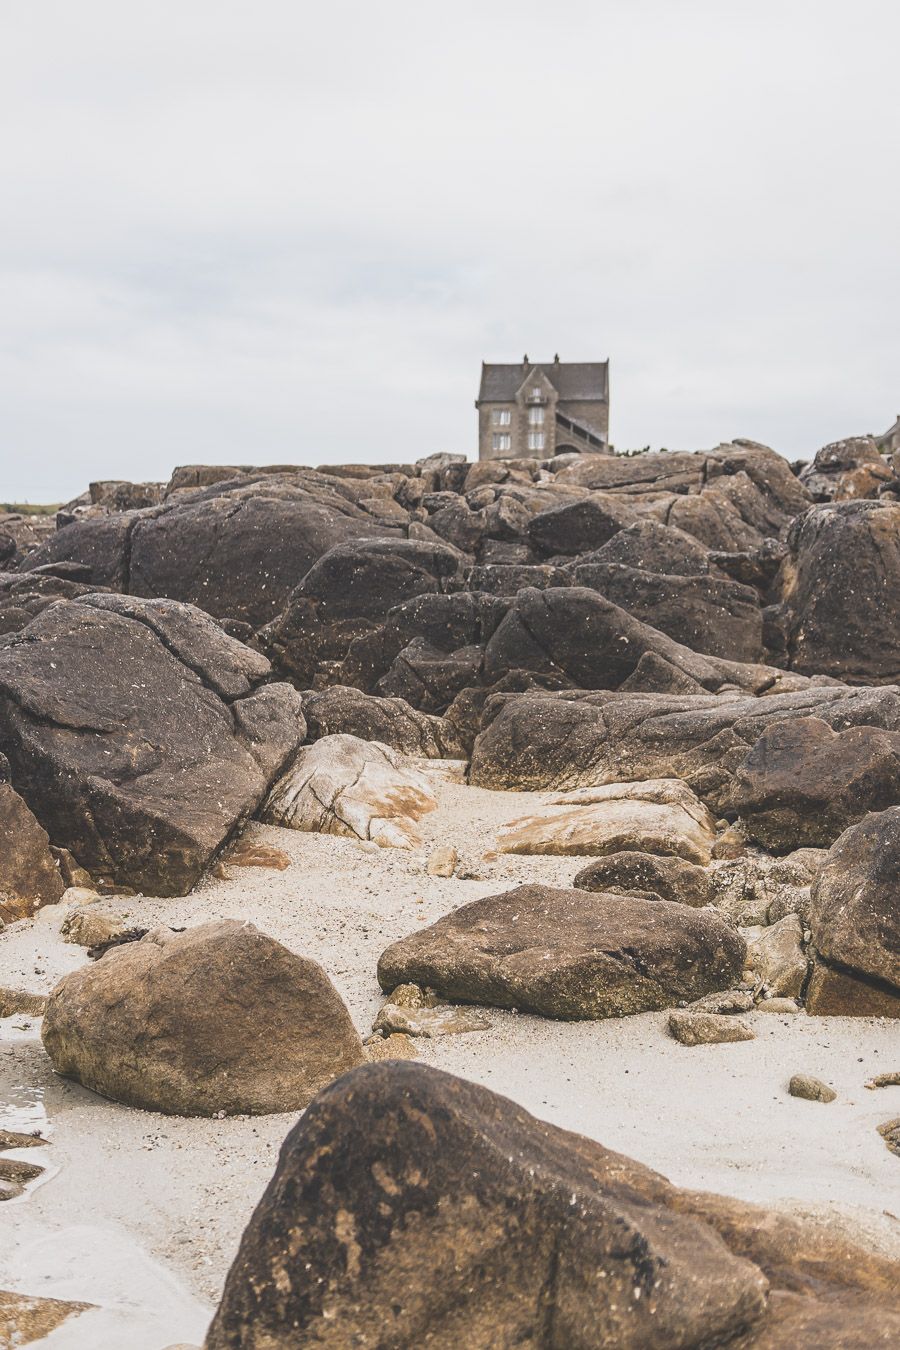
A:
(890, 441)
(535, 410)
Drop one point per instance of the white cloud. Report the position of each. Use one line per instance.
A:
(290, 231)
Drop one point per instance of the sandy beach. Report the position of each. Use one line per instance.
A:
(140, 1214)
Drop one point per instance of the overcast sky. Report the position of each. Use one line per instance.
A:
(279, 231)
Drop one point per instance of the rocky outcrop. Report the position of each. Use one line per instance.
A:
(236, 549)
(544, 740)
(569, 954)
(138, 735)
(349, 592)
(854, 920)
(661, 816)
(505, 1230)
(218, 1019)
(802, 783)
(359, 789)
(837, 610)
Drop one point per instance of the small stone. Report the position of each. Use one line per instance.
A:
(396, 1046)
(731, 843)
(80, 895)
(414, 1011)
(14, 1002)
(249, 853)
(705, 1028)
(885, 1080)
(890, 1133)
(810, 1089)
(778, 1005)
(88, 928)
(442, 862)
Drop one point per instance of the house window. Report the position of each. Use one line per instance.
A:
(535, 440)
(536, 395)
(501, 441)
(536, 416)
(501, 417)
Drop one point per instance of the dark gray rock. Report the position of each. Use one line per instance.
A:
(138, 736)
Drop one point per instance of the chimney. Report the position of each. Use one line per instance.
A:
(556, 359)
(525, 359)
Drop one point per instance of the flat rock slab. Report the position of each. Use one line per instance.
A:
(661, 816)
(24, 1319)
(219, 1018)
(361, 789)
(137, 736)
(569, 954)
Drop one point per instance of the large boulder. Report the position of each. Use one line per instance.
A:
(653, 547)
(413, 1205)
(802, 783)
(838, 610)
(359, 789)
(543, 740)
(854, 920)
(138, 736)
(661, 816)
(220, 1018)
(343, 710)
(349, 591)
(411, 1208)
(29, 873)
(569, 954)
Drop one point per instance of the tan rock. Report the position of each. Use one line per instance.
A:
(890, 1133)
(252, 853)
(29, 873)
(703, 1028)
(778, 1005)
(395, 1046)
(360, 789)
(810, 1089)
(220, 1018)
(414, 1011)
(24, 1319)
(15, 1002)
(660, 815)
(778, 959)
(442, 862)
(90, 928)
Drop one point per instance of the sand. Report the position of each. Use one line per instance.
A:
(140, 1214)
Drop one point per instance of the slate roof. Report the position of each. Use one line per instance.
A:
(572, 380)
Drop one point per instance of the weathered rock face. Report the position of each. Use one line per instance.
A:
(349, 591)
(578, 632)
(659, 816)
(854, 918)
(410, 1200)
(838, 610)
(137, 737)
(569, 954)
(29, 873)
(709, 614)
(846, 470)
(802, 783)
(579, 526)
(537, 740)
(220, 1018)
(653, 547)
(360, 789)
(648, 875)
(342, 710)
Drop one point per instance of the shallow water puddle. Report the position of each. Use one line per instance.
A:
(24, 1138)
